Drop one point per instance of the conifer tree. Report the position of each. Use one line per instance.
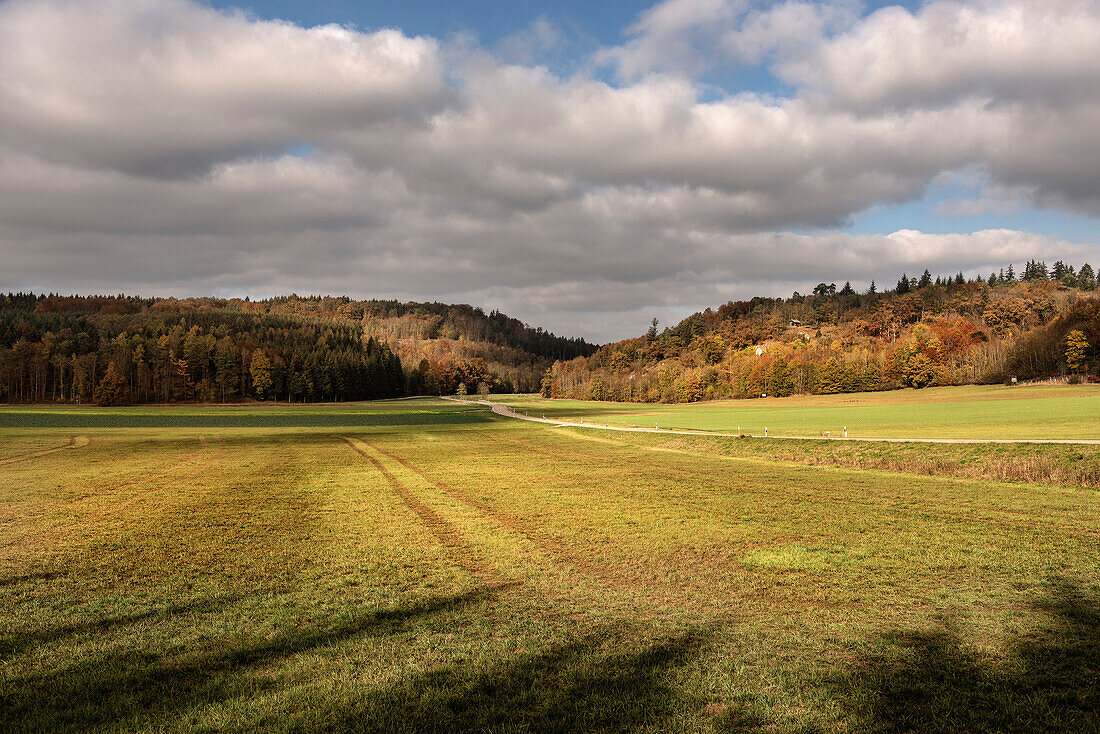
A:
(1086, 278)
(112, 388)
(1058, 271)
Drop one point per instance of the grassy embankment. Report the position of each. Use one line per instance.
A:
(415, 565)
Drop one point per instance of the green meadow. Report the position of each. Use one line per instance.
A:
(981, 411)
(420, 565)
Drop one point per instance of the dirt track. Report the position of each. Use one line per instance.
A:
(504, 410)
(75, 442)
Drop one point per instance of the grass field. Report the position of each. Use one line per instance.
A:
(1019, 412)
(427, 566)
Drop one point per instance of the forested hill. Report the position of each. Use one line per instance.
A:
(925, 331)
(130, 349)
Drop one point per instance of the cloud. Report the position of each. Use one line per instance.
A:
(672, 35)
(160, 87)
(1002, 51)
(166, 147)
(532, 44)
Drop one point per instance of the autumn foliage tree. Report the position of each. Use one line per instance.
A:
(112, 389)
(1077, 348)
(260, 370)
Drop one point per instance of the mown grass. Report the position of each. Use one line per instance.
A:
(998, 412)
(482, 574)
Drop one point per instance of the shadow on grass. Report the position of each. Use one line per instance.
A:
(21, 641)
(931, 682)
(135, 685)
(600, 682)
(189, 416)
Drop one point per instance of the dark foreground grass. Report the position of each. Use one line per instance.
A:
(472, 574)
(263, 415)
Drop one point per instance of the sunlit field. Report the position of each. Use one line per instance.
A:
(428, 566)
(988, 412)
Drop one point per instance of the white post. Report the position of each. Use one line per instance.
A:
(845, 431)
(765, 431)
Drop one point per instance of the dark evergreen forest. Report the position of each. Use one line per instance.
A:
(112, 349)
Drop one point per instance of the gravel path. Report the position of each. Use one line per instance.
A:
(504, 410)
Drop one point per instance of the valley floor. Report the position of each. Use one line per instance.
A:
(423, 565)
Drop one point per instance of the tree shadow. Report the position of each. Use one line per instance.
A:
(19, 642)
(601, 682)
(138, 684)
(932, 682)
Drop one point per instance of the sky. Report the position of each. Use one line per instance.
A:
(582, 166)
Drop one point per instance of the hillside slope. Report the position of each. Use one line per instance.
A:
(943, 332)
(61, 348)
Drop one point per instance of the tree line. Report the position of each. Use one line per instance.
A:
(301, 348)
(945, 330)
(132, 350)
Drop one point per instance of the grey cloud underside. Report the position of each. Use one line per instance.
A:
(144, 147)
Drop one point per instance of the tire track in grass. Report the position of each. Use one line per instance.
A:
(464, 554)
(76, 442)
(559, 552)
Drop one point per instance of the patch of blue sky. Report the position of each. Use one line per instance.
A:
(937, 212)
(583, 26)
(300, 150)
(721, 83)
(487, 20)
